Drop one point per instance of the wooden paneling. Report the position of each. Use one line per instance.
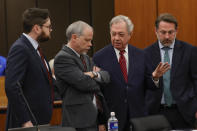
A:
(57, 113)
(101, 16)
(3, 97)
(3, 42)
(3, 104)
(185, 12)
(143, 14)
(79, 12)
(2, 121)
(59, 17)
(14, 9)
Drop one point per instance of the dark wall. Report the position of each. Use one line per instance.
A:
(63, 12)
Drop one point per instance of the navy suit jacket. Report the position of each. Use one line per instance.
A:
(183, 83)
(122, 97)
(24, 65)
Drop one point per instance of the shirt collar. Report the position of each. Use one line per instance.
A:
(171, 46)
(32, 41)
(126, 50)
(73, 50)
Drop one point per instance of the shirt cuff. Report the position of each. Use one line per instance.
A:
(156, 82)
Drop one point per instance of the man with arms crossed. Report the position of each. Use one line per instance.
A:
(79, 80)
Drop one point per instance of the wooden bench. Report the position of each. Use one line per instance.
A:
(57, 110)
(3, 97)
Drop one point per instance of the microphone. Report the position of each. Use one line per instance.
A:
(27, 104)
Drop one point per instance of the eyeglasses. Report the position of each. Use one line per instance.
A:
(49, 26)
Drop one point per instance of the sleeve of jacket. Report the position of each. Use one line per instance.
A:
(149, 83)
(15, 72)
(193, 68)
(67, 69)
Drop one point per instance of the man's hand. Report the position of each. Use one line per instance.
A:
(95, 69)
(89, 74)
(160, 70)
(27, 124)
(101, 128)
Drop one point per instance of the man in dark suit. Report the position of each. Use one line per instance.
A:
(130, 74)
(28, 70)
(176, 96)
(78, 80)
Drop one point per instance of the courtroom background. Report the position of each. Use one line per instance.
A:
(97, 13)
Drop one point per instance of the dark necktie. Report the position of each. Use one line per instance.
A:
(123, 66)
(98, 102)
(48, 73)
(84, 63)
(166, 79)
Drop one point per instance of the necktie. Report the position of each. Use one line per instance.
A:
(84, 63)
(122, 62)
(98, 102)
(166, 80)
(48, 74)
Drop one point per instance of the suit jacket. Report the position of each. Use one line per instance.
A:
(24, 65)
(183, 81)
(77, 88)
(126, 99)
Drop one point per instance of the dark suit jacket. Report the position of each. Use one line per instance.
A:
(183, 83)
(121, 96)
(77, 89)
(24, 65)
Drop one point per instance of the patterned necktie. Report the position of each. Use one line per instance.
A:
(122, 62)
(166, 79)
(84, 63)
(48, 73)
(97, 100)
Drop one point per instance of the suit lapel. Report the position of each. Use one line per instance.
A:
(176, 59)
(36, 56)
(156, 56)
(78, 60)
(116, 66)
(131, 58)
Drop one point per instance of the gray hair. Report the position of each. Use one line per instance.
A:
(76, 28)
(121, 18)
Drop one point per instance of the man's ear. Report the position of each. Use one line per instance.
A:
(36, 29)
(155, 30)
(131, 33)
(74, 36)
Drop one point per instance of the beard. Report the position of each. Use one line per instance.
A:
(166, 42)
(43, 38)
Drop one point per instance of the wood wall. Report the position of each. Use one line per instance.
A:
(63, 12)
(144, 12)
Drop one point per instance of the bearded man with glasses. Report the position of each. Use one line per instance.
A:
(28, 69)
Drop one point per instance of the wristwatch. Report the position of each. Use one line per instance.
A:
(95, 74)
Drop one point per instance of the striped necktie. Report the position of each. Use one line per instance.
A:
(122, 62)
(48, 73)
